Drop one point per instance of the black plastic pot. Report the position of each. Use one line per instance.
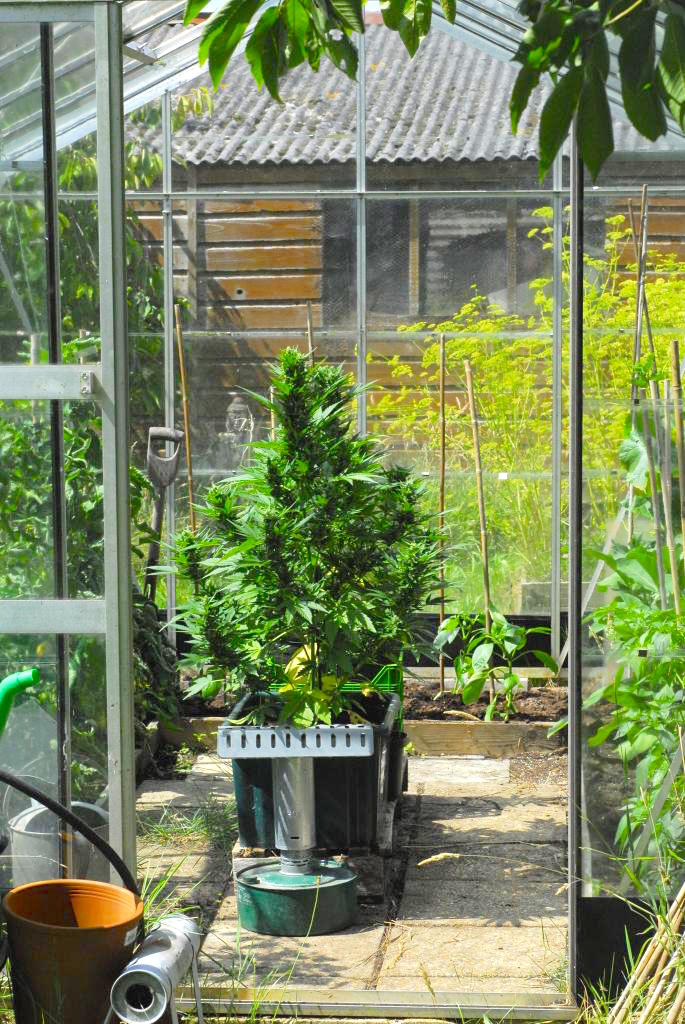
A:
(349, 793)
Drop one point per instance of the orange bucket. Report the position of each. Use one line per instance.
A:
(68, 941)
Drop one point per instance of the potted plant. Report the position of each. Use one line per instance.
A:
(309, 575)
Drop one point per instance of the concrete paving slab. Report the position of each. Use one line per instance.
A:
(487, 820)
(480, 904)
(457, 772)
(188, 792)
(496, 862)
(459, 952)
(348, 958)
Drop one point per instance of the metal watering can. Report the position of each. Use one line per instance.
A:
(56, 926)
(34, 832)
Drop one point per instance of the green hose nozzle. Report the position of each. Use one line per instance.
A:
(10, 687)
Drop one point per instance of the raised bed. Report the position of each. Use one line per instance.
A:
(487, 739)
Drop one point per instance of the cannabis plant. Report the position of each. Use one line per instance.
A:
(313, 565)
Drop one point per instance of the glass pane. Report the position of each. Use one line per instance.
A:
(632, 838)
(74, 57)
(23, 283)
(479, 273)
(143, 147)
(145, 254)
(248, 272)
(28, 748)
(240, 138)
(26, 568)
(80, 293)
(21, 144)
(84, 510)
(441, 120)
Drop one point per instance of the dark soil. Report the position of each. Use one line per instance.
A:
(539, 704)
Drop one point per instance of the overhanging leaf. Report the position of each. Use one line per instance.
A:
(449, 9)
(557, 115)
(263, 51)
(222, 34)
(526, 80)
(595, 130)
(350, 13)
(193, 8)
(672, 66)
(636, 60)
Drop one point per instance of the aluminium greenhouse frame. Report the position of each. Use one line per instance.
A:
(105, 383)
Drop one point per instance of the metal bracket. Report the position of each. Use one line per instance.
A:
(86, 385)
(272, 741)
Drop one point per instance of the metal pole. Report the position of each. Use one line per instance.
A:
(575, 596)
(115, 429)
(169, 342)
(360, 204)
(59, 515)
(557, 393)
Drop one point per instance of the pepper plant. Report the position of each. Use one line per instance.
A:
(314, 564)
(489, 654)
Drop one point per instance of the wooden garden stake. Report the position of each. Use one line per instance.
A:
(443, 454)
(186, 413)
(481, 503)
(677, 390)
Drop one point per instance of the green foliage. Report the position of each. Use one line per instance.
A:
(313, 564)
(567, 41)
(512, 366)
(294, 32)
(488, 657)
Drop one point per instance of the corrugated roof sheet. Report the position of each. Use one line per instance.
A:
(449, 103)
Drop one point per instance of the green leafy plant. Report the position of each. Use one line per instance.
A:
(313, 564)
(489, 655)
(511, 358)
(645, 700)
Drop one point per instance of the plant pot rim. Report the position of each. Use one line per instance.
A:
(94, 885)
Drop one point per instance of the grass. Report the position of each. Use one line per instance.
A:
(214, 823)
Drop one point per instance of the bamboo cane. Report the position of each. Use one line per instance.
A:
(481, 506)
(667, 497)
(443, 437)
(273, 414)
(654, 953)
(655, 500)
(653, 959)
(639, 244)
(676, 387)
(310, 335)
(186, 414)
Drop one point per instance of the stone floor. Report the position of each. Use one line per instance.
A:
(477, 902)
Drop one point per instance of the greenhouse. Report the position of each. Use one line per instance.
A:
(342, 556)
